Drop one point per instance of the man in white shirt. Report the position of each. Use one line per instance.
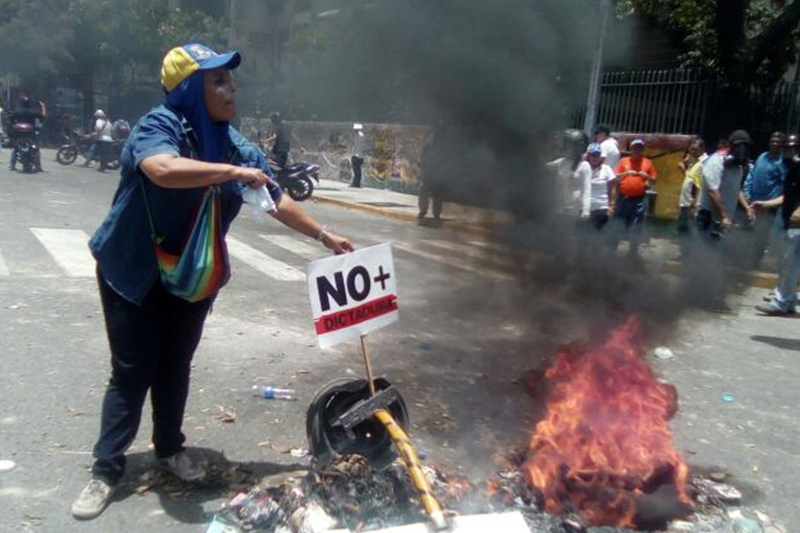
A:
(595, 178)
(608, 145)
(102, 140)
(723, 174)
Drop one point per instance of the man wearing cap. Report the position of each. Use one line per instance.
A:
(596, 179)
(723, 173)
(635, 175)
(177, 155)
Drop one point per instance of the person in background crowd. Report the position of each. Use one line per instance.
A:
(433, 166)
(357, 158)
(764, 183)
(785, 300)
(692, 167)
(635, 175)
(103, 136)
(596, 180)
(281, 138)
(723, 174)
(567, 190)
(609, 145)
(26, 112)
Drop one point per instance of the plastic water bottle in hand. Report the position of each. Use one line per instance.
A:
(273, 393)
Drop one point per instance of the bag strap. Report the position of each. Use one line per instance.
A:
(191, 139)
(154, 236)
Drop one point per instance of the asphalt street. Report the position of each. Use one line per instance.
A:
(465, 339)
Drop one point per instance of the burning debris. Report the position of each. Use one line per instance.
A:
(601, 461)
(351, 495)
(604, 441)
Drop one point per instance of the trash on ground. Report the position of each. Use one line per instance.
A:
(662, 352)
(727, 397)
(7, 465)
(226, 415)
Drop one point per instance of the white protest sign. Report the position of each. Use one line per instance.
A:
(352, 294)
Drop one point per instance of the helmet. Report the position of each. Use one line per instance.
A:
(739, 136)
(275, 117)
(575, 141)
(792, 140)
(99, 114)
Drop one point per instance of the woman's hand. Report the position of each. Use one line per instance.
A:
(339, 245)
(252, 177)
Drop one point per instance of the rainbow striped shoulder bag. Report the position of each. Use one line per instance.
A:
(200, 270)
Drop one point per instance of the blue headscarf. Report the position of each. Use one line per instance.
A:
(189, 100)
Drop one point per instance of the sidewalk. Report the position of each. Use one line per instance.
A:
(402, 206)
(661, 253)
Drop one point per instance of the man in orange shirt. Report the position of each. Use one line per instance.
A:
(635, 175)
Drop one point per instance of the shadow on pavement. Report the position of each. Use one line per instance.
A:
(778, 342)
(184, 501)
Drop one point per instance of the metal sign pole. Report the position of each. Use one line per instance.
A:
(367, 364)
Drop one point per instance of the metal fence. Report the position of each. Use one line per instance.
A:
(683, 101)
(657, 101)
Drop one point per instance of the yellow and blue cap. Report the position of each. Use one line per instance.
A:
(183, 61)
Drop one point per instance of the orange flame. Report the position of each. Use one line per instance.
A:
(604, 440)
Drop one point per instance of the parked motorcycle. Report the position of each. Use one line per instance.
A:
(22, 136)
(79, 144)
(296, 179)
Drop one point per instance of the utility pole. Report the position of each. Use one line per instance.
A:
(232, 25)
(593, 101)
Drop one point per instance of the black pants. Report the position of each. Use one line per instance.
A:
(357, 162)
(426, 193)
(280, 158)
(151, 349)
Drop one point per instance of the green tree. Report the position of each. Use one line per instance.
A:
(743, 41)
(83, 40)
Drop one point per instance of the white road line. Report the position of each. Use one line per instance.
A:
(3, 266)
(262, 262)
(70, 249)
(296, 246)
(486, 254)
(450, 262)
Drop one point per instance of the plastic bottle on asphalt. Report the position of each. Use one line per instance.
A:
(273, 393)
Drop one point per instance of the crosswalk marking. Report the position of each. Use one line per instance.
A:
(295, 245)
(262, 262)
(450, 262)
(3, 266)
(70, 249)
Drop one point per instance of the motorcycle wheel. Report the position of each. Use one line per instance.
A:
(67, 155)
(27, 166)
(301, 188)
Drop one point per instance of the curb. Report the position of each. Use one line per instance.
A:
(472, 229)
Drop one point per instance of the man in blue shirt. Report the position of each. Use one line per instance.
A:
(763, 183)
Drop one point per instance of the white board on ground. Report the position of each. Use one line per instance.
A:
(500, 522)
(352, 294)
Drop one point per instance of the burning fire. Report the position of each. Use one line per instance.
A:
(604, 440)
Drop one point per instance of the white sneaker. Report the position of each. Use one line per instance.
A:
(182, 466)
(92, 500)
